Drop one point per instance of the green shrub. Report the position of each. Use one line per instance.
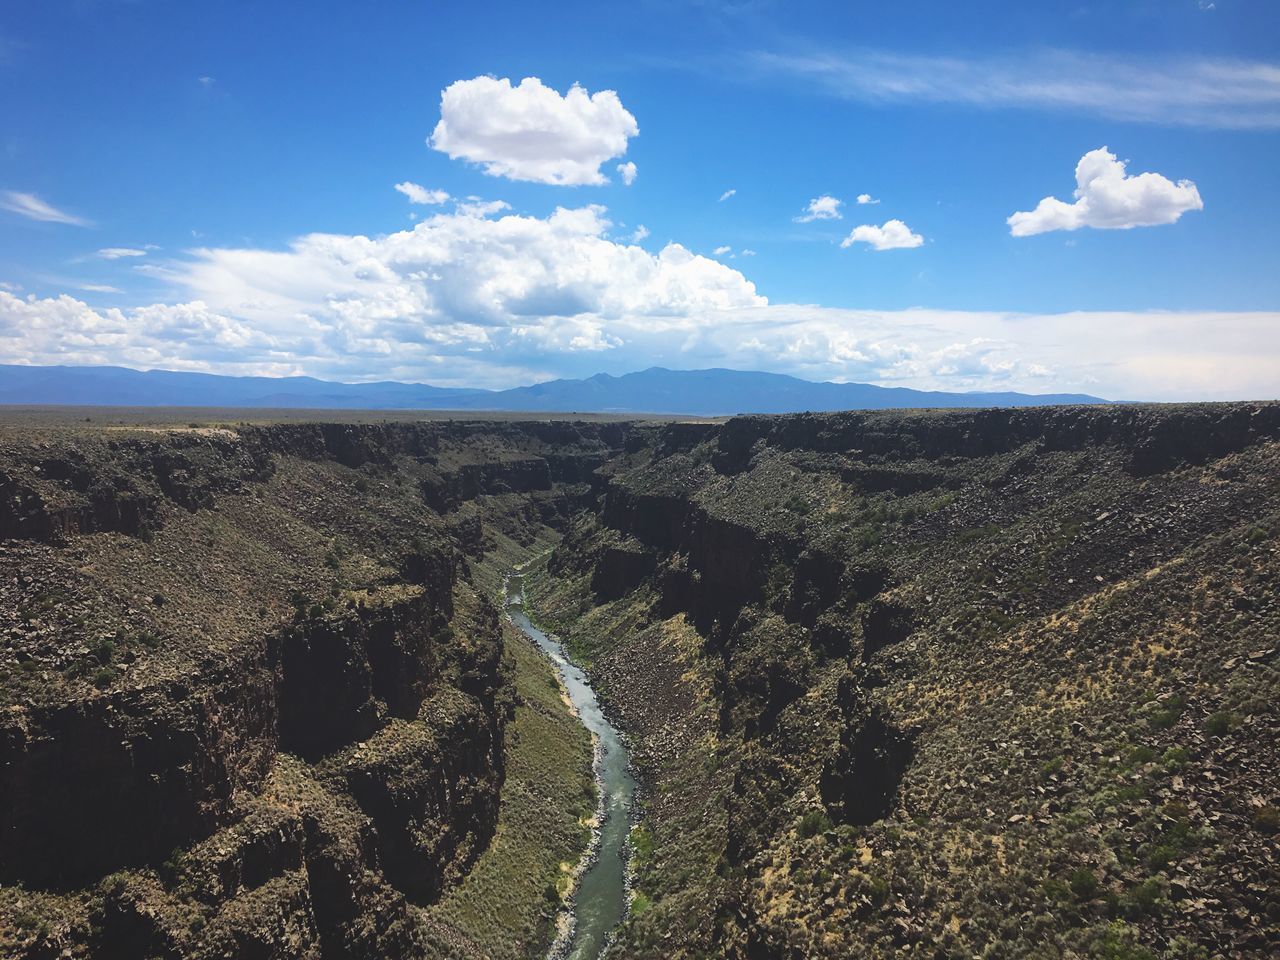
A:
(640, 902)
(1175, 758)
(1056, 890)
(1140, 755)
(1159, 857)
(813, 823)
(1220, 724)
(105, 676)
(641, 845)
(1167, 712)
(1083, 883)
(1142, 898)
(1119, 942)
(878, 889)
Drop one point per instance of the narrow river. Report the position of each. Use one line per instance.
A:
(602, 891)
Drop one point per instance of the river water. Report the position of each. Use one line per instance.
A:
(601, 899)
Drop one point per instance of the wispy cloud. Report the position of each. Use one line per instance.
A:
(33, 208)
(420, 194)
(1202, 92)
(727, 194)
(118, 253)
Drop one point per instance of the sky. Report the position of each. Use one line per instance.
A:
(943, 195)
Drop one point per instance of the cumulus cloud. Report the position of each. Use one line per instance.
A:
(531, 132)
(727, 194)
(467, 298)
(420, 194)
(721, 251)
(119, 253)
(865, 198)
(1109, 199)
(627, 171)
(894, 235)
(33, 208)
(824, 207)
(640, 233)
(748, 253)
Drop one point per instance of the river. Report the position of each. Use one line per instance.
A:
(601, 899)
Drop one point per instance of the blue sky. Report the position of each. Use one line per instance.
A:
(207, 139)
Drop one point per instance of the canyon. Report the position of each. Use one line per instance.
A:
(921, 684)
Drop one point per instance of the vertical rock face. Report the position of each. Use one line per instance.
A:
(117, 780)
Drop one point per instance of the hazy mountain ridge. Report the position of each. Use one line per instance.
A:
(656, 390)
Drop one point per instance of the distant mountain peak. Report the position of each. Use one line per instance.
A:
(709, 392)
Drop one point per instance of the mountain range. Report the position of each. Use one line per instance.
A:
(714, 392)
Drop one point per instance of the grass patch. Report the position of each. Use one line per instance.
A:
(508, 903)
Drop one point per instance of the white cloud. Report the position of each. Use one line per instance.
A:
(469, 299)
(894, 235)
(98, 288)
(1185, 91)
(117, 253)
(33, 208)
(748, 253)
(531, 132)
(640, 233)
(727, 194)
(824, 207)
(865, 198)
(206, 82)
(475, 207)
(371, 333)
(1109, 199)
(628, 172)
(721, 251)
(420, 194)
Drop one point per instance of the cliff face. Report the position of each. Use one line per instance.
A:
(944, 684)
(253, 700)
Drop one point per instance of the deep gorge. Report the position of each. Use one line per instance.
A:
(896, 682)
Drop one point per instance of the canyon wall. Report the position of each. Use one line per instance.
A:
(943, 684)
(254, 698)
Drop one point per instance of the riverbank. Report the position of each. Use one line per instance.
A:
(601, 898)
(507, 907)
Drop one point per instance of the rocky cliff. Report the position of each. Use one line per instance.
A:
(254, 699)
(976, 683)
(981, 683)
